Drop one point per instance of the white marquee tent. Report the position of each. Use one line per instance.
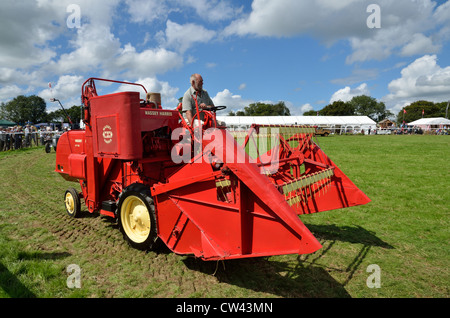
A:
(338, 124)
(431, 123)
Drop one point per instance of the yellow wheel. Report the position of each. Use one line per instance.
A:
(72, 202)
(137, 218)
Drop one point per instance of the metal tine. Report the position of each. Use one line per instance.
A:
(304, 188)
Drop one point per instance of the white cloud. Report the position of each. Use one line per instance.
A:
(298, 110)
(6, 74)
(236, 102)
(168, 93)
(306, 108)
(8, 92)
(358, 75)
(232, 101)
(147, 11)
(67, 90)
(422, 79)
(19, 77)
(328, 19)
(25, 28)
(182, 37)
(28, 27)
(403, 25)
(212, 10)
(93, 46)
(97, 49)
(346, 94)
(418, 45)
(146, 63)
(26, 57)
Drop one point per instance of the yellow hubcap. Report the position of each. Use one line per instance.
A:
(70, 204)
(135, 219)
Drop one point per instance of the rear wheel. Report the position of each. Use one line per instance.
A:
(72, 202)
(137, 218)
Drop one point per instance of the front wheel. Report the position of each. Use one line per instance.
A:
(48, 147)
(72, 202)
(137, 217)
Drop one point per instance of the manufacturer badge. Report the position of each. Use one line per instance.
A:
(107, 134)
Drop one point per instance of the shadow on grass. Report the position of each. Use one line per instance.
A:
(301, 278)
(41, 255)
(350, 234)
(273, 277)
(11, 285)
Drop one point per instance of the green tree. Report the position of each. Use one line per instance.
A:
(414, 111)
(369, 106)
(263, 109)
(338, 108)
(2, 111)
(310, 113)
(23, 109)
(74, 113)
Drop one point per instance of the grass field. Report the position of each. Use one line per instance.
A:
(404, 230)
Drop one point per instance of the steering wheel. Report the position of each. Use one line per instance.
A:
(209, 119)
(215, 108)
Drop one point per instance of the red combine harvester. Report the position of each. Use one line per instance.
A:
(201, 190)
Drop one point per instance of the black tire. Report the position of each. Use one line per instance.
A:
(48, 147)
(137, 217)
(72, 203)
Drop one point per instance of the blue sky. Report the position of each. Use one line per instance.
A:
(303, 52)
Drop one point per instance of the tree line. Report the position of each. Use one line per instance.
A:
(358, 106)
(25, 109)
(422, 109)
(263, 109)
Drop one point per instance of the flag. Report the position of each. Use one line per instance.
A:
(50, 85)
(404, 111)
(423, 111)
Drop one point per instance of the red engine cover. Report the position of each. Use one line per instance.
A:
(116, 126)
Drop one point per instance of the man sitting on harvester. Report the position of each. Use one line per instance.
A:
(193, 94)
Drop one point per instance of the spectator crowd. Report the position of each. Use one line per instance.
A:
(18, 137)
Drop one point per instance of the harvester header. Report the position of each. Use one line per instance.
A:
(197, 187)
